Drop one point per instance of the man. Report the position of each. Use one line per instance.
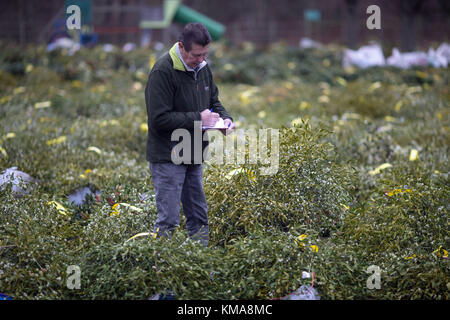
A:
(181, 94)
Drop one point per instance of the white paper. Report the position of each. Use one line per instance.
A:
(219, 125)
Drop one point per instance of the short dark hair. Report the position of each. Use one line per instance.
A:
(194, 33)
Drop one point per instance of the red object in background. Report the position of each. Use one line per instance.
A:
(110, 201)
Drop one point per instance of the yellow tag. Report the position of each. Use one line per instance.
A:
(296, 122)
(144, 234)
(351, 115)
(394, 192)
(5, 99)
(151, 61)
(234, 172)
(288, 85)
(114, 213)
(379, 168)
(341, 81)
(421, 74)
(414, 155)
(3, 152)
(19, 90)
(315, 248)
(304, 105)
(94, 149)
(300, 244)
(99, 88)
(58, 207)
(324, 99)
(76, 84)
(302, 237)
(398, 106)
(444, 254)
(251, 175)
(144, 128)
(350, 70)
(389, 119)
(44, 119)
(299, 240)
(412, 90)
(58, 140)
(374, 86)
(9, 135)
(133, 208)
(42, 105)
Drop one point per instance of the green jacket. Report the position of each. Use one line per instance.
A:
(174, 98)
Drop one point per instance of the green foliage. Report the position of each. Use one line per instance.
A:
(308, 191)
(76, 120)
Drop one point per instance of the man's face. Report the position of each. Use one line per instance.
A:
(194, 57)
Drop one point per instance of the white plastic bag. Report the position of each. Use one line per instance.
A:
(303, 293)
(19, 181)
(64, 43)
(306, 43)
(408, 59)
(439, 57)
(365, 57)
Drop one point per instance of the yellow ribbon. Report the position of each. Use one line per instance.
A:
(379, 168)
(58, 207)
(42, 104)
(144, 234)
(58, 140)
(94, 149)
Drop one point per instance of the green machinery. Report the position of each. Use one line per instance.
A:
(175, 11)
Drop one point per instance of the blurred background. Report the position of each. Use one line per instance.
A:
(407, 24)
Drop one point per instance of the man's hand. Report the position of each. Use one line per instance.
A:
(209, 118)
(230, 125)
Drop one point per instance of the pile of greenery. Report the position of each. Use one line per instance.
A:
(362, 180)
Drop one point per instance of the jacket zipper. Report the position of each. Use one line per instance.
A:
(196, 85)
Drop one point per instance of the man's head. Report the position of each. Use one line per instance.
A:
(194, 44)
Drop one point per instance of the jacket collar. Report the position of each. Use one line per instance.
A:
(178, 63)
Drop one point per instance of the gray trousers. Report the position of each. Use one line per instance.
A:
(180, 183)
